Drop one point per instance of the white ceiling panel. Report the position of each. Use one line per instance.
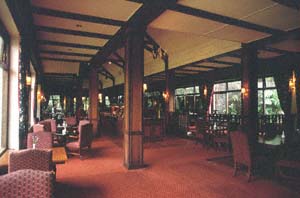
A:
(59, 56)
(57, 22)
(180, 22)
(231, 8)
(277, 17)
(111, 9)
(184, 48)
(50, 66)
(70, 38)
(67, 49)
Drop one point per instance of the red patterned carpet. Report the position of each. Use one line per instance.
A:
(176, 168)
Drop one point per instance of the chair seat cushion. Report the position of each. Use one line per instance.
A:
(73, 145)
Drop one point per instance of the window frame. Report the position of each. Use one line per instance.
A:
(4, 64)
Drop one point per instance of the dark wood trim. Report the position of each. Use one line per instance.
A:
(119, 57)
(221, 62)
(117, 63)
(73, 32)
(224, 19)
(66, 53)
(76, 16)
(45, 42)
(62, 59)
(187, 70)
(201, 66)
(106, 73)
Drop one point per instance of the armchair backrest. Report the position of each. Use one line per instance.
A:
(81, 123)
(27, 183)
(52, 124)
(240, 147)
(44, 140)
(38, 127)
(47, 125)
(86, 135)
(34, 159)
(71, 121)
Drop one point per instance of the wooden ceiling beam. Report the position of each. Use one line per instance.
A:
(62, 59)
(46, 42)
(76, 16)
(73, 32)
(65, 53)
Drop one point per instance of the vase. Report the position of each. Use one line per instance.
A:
(33, 146)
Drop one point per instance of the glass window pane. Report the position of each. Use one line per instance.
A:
(220, 87)
(260, 106)
(190, 104)
(272, 104)
(259, 83)
(220, 103)
(179, 103)
(234, 103)
(270, 82)
(189, 90)
(179, 91)
(236, 85)
(197, 89)
(1, 48)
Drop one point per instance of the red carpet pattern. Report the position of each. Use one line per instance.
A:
(176, 168)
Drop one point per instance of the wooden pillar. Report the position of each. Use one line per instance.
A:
(23, 91)
(249, 84)
(133, 121)
(170, 93)
(93, 94)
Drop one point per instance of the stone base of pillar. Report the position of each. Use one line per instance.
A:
(133, 148)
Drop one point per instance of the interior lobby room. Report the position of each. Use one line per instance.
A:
(143, 99)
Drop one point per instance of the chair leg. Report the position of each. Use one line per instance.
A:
(80, 156)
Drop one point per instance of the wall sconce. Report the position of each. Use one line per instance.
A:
(100, 97)
(244, 91)
(28, 80)
(165, 95)
(292, 82)
(145, 87)
(205, 91)
(74, 100)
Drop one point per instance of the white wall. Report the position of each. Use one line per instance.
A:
(13, 112)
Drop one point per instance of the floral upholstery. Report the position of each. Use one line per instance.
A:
(35, 159)
(71, 121)
(44, 140)
(85, 139)
(26, 184)
(37, 128)
(47, 125)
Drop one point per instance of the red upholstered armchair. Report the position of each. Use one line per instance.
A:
(38, 127)
(44, 140)
(53, 128)
(47, 125)
(84, 141)
(35, 159)
(27, 183)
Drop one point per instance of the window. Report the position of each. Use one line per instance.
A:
(268, 101)
(187, 100)
(3, 92)
(227, 98)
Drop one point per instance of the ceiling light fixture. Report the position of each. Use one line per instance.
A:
(109, 62)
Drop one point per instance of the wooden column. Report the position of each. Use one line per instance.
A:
(93, 93)
(169, 109)
(133, 121)
(249, 83)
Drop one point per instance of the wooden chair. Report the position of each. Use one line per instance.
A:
(47, 125)
(202, 132)
(84, 141)
(241, 153)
